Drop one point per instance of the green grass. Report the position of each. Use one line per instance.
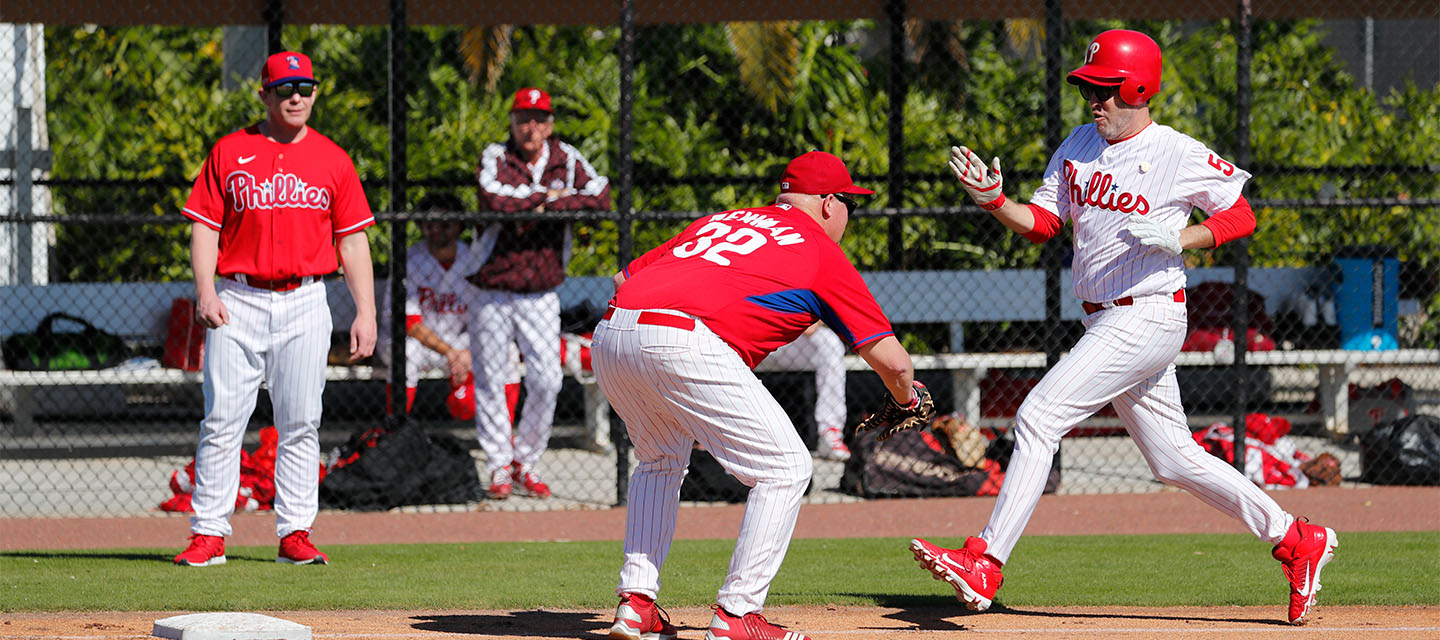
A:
(1369, 569)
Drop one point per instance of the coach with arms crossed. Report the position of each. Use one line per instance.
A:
(520, 264)
(272, 203)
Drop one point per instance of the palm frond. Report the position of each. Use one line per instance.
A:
(766, 52)
(485, 49)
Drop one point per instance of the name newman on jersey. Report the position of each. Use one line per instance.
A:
(281, 190)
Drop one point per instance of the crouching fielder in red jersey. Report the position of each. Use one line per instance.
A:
(689, 322)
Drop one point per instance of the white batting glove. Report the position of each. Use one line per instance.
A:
(1152, 232)
(983, 184)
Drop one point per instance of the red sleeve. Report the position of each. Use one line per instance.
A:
(1047, 225)
(850, 309)
(411, 322)
(206, 203)
(350, 211)
(1232, 224)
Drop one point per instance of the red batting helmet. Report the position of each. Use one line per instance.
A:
(1122, 58)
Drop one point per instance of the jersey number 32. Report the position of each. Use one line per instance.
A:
(742, 241)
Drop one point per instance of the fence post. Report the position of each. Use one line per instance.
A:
(895, 14)
(396, 183)
(1240, 314)
(624, 203)
(274, 14)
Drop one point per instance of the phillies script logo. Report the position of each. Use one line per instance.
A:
(1101, 191)
(281, 190)
(431, 300)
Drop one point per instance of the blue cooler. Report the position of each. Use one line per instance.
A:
(1367, 297)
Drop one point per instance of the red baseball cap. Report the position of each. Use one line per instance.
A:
(818, 173)
(531, 98)
(286, 66)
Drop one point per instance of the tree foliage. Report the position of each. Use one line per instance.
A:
(719, 109)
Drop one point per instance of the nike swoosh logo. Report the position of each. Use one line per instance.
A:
(245, 160)
(984, 582)
(1308, 588)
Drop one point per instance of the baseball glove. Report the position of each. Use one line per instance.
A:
(1322, 470)
(895, 417)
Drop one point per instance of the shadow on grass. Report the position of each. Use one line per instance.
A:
(935, 613)
(53, 555)
(163, 557)
(533, 624)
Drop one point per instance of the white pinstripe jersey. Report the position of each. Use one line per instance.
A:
(1096, 185)
(438, 295)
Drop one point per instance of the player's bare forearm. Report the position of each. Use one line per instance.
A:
(204, 253)
(1196, 236)
(360, 279)
(892, 363)
(1015, 216)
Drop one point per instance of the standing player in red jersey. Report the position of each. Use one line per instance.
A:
(689, 321)
(270, 207)
(1128, 186)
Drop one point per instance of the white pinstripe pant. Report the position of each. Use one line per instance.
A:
(674, 387)
(499, 320)
(280, 338)
(1126, 357)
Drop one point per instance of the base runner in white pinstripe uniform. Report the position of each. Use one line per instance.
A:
(1128, 187)
(689, 322)
(272, 206)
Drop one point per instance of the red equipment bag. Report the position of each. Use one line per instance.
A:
(185, 342)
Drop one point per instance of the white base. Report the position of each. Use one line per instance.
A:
(229, 626)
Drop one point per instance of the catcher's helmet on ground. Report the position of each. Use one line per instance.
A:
(1122, 58)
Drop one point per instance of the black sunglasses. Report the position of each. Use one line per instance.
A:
(1097, 93)
(849, 203)
(305, 89)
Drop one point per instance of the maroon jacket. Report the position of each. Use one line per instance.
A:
(530, 256)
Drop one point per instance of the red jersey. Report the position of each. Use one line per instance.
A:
(278, 207)
(757, 278)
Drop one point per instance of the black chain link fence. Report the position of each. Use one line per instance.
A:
(690, 110)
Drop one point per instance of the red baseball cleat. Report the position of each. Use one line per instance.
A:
(295, 548)
(751, 626)
(1303, 552)
(204, 551)
(499, 485)
(529, 481)
(975, 575)
(639, 618)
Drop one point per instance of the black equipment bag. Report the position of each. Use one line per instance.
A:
(49, 350)
(921, 463)
(909, 464)
(387, 469)
(1405, 451)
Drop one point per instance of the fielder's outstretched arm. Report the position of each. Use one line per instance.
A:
(892, 362)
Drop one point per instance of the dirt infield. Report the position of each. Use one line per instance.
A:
(1345, 509)
(850, 623)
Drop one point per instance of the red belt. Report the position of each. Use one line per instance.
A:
(1092, 307)
(658, 319)
(283, 284)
